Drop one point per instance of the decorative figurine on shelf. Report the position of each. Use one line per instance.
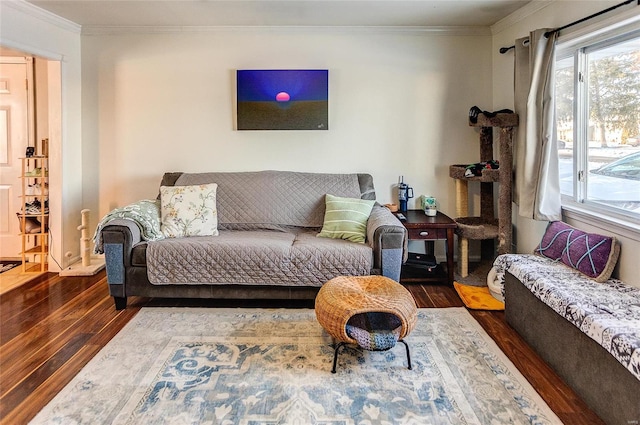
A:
(89, 265)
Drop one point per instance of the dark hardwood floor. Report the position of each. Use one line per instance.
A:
(52, 326)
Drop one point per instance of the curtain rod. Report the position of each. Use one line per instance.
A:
(579, 21)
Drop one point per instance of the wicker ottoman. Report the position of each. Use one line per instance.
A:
(373, 312)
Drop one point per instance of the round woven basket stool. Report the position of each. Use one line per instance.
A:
(373, 312)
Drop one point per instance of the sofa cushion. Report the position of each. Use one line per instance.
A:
(254, 257)
(321, 259)
(188, 210)
(591, 254)
(346, 218)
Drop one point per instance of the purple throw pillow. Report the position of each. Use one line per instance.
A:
(591, 254)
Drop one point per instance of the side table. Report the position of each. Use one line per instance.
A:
(423, 227)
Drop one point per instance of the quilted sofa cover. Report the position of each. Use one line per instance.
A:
(268, 222)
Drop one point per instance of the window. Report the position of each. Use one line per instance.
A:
(598, 124)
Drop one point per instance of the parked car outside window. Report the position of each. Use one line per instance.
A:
(617, 183)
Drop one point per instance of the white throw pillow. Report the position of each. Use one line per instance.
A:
(188, 210)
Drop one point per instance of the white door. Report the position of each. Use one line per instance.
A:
(14, 138)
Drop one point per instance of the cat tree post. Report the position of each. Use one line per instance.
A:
(462, 209)
(505, 232)
(85, 249)
(88, 265)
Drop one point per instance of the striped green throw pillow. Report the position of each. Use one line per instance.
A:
(346, 218)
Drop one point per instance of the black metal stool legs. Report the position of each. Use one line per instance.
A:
(408, 355)
(342, 344)
(335, 355)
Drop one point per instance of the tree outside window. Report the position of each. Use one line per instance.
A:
(598, 124)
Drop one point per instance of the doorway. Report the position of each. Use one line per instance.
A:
(30, 89)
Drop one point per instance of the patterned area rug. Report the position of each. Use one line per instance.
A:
(260, 366)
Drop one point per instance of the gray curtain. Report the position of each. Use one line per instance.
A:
(537, 185)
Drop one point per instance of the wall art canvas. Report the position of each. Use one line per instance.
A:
(283, 99)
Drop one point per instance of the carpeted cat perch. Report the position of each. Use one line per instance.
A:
(487, 172)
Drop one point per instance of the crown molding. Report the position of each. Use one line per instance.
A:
(435, 30)
(31, 50)
(520, 14)
(41, 14)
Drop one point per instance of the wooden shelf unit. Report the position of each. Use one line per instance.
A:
(35, 240)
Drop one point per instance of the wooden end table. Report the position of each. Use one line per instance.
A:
(429, 229)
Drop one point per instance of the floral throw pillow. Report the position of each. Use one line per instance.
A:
(188, 210)
(591, 254)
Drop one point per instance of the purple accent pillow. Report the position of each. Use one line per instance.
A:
(591, 254)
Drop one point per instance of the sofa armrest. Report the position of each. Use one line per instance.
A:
(388, 239)
(118, 238)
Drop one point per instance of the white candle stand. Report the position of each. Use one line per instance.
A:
(89, 264)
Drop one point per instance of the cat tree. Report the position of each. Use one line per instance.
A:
(89, 264)
(486, 226)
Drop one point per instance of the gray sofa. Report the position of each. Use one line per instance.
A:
(266, 247)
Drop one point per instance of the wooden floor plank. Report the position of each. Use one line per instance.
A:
(43, 372)
(19, 298)
(42, 301)
(40, 345)
(62, 322)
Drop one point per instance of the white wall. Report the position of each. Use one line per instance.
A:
(398, 104)
(553, 14)
(137, 105)
(28, 29)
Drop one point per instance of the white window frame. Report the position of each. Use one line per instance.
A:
(574, 44)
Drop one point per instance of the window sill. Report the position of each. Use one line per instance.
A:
(593, 217)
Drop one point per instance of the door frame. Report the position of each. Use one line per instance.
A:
(57, 128)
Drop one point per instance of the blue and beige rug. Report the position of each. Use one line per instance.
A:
(210, 366)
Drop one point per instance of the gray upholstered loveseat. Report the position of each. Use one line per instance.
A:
(267, 246)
